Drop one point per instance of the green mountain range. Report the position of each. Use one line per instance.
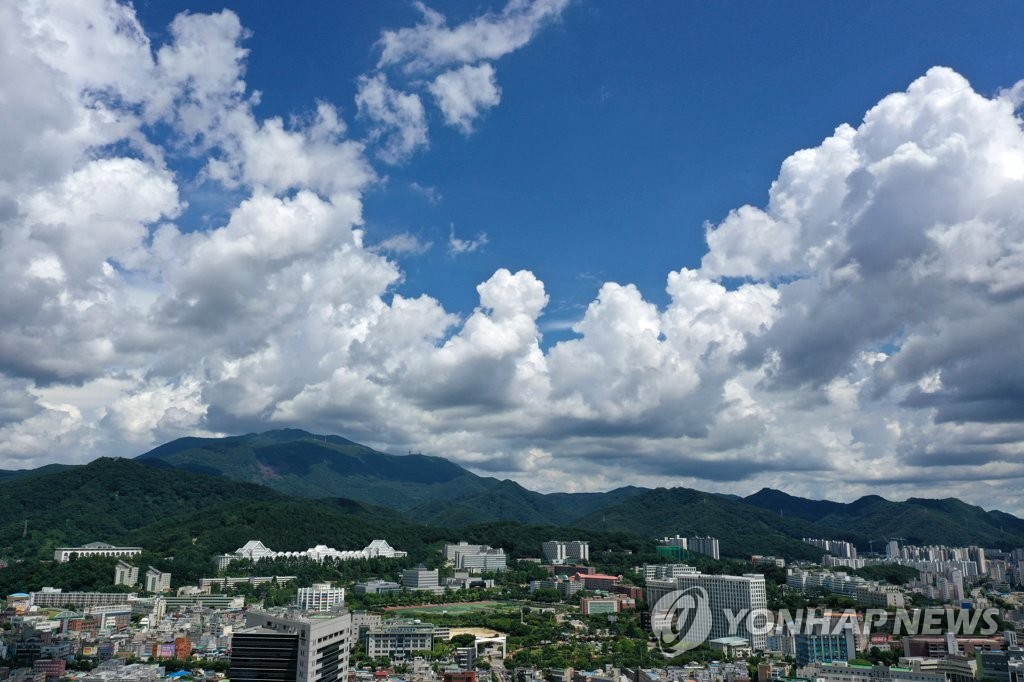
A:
(432, 490)
(292, 489)
(874, 520)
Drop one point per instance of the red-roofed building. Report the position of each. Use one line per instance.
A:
(599, 581)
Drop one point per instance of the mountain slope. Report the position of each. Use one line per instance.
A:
(915, 521)
(110, 499)
(789, 505)
(15, 474)
(430, 489)
(742, 529)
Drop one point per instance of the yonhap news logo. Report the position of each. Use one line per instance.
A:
(681, 620)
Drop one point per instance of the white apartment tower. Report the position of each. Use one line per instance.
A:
(728, 596)
(126, 574)
(157, 580)
(319, 597)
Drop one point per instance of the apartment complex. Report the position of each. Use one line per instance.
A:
(679, 547)
(704, 545)
(560, 551)
(49, 597)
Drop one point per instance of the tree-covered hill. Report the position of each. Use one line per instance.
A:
(432, 490)
(873, 520)
(110, 500)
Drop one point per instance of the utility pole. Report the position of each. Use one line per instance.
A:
(24, 533)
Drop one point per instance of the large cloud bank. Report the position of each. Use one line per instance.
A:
(873, 345)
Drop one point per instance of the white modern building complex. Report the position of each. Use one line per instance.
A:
(64, 554)
(475, 558)
(254, 550)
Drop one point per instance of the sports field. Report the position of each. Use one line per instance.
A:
(464, 607)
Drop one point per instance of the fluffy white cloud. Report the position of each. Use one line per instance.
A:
(874, 341)
(468, 85)
(398, 118)
(458, 245)
(432, 44)
(463, 94)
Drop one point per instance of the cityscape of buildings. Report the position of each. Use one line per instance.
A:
(317, 635)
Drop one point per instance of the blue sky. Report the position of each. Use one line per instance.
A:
(724, 245)
(622, 128)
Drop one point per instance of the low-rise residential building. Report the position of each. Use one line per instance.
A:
(847, 672)
(57, 598)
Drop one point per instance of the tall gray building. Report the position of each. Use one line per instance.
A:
(421, 578)
(292, 648)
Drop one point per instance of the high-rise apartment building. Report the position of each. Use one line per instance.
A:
(729, 596)
(319, 597)
(126, 574)
(560, 551)
(554, 551)
(703, 545)
(157, 580)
